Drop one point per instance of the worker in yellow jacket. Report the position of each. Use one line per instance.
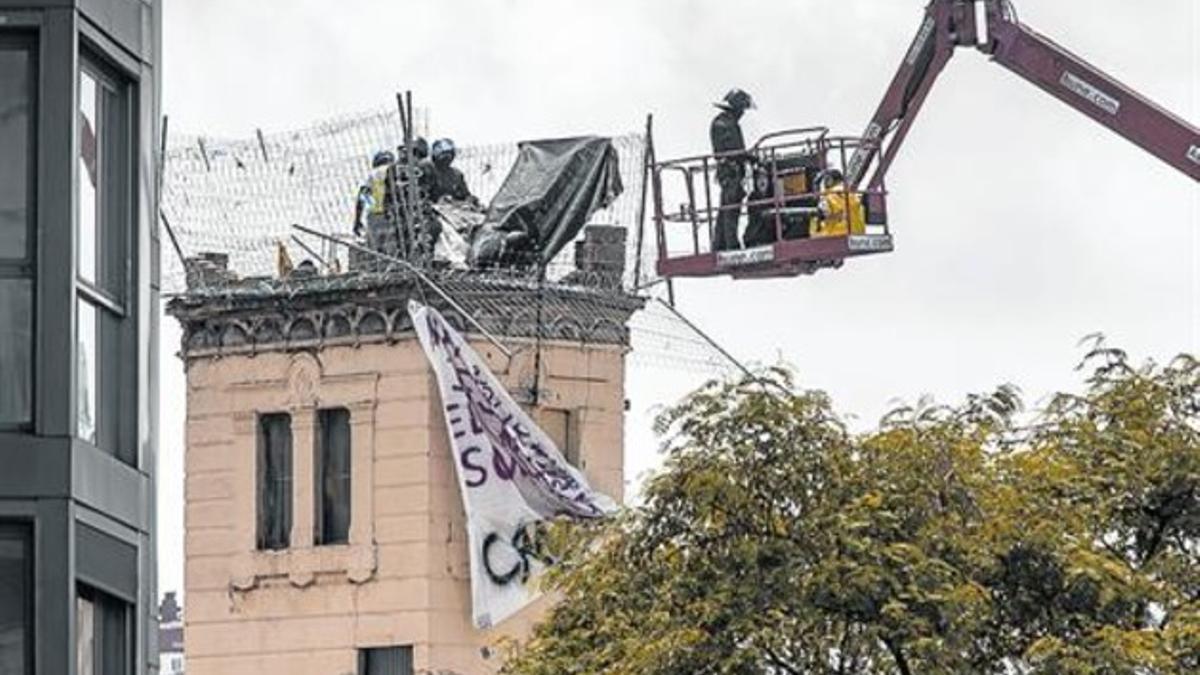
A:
(842, 211)
(375, 195)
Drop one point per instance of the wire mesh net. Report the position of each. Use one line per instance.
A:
(239, 198)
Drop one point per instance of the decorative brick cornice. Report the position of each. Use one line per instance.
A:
(263, 315)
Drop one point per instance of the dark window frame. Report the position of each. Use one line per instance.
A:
(569, 444)
(110, 294)
(273, 492)
(113, 641)
(25, 268)
(373, 660)
(22, 532)
(116, 192)
(326, 487)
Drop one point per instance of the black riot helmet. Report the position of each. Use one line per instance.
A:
(444, 151)
(420, 148)
(736, 100)
(382, 158)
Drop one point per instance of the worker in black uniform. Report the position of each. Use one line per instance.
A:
(445, 181)
(726, 133)
(420, 148)
(441, 181)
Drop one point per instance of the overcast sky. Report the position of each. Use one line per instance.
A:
(1021, 226)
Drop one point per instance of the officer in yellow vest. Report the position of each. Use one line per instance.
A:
(376, 202)
(374, 191)
(841, 209)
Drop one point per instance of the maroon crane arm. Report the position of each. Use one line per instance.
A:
(950, 24)
(941, 32)
(1099, 96)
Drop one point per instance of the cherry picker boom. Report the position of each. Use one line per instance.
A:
(789, 166)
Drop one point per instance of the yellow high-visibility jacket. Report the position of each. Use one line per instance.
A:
(375, 194)
(845, 213)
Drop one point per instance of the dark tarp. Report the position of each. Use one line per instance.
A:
(552, 190)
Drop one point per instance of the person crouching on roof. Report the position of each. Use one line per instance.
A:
(444, 183)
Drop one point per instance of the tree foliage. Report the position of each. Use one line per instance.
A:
(968, 539)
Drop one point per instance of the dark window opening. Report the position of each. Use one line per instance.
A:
(385, 661)
(103, 634)
(16, 600)
(559, 425)
(331, 472)
(18, 116)
(274, 481)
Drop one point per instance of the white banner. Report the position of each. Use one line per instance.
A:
(511, 474)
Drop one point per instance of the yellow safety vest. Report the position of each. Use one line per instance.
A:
(845, 213)
(378, 189)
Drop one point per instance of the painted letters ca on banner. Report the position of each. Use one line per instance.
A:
(511, 474)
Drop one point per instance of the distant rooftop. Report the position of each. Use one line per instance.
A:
(170, 618)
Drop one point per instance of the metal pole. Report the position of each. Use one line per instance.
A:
(308, 249)
(162, 169)
(696, 329)
(162, 158)
(708, 207)
(715, 345)
(174, 241)
(691, 192)
(659, 227)
(204, 154)
(777, 193)
(262, 145)
(415, 210)
(420, 275)
(394, 187)
(647, 161)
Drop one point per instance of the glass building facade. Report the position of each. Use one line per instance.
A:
(79, 123)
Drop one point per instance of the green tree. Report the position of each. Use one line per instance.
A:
(966, 539)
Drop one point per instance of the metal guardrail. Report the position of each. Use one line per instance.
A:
(700, 212)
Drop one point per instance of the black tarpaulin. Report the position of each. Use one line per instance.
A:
(548, 196)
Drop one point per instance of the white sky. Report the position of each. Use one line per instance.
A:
(1021, 226)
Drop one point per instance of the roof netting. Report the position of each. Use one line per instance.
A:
(240, 197)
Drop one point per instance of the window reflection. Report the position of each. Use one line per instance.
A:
(14, 600)
(15, 128)
(85, 636)
(104, 232)
(86, 372)
(17, 89)
(16, 341)
(89, 167)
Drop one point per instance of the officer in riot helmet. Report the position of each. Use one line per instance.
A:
(445, 181)
(420, 148)
(729, 144)
(374, 196)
